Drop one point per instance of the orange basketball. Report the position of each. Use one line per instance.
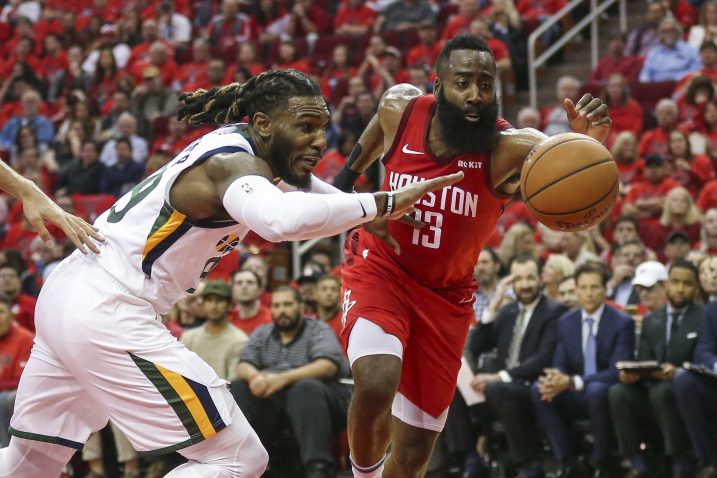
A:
(569, 182)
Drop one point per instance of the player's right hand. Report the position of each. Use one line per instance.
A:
(38, 208)
(407, 196)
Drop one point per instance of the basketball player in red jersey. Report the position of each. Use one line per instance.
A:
(407, 298)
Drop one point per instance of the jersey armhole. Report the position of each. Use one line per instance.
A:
(500, 125)
(399, 131)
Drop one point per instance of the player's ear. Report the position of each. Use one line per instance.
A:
(262, 124)
(436, 86)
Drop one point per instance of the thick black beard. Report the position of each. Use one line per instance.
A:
(293, 325)
(461, 135)
(280, 153)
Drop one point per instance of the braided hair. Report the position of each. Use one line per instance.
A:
(230, 103)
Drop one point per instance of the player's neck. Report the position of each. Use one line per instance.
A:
(248, 309)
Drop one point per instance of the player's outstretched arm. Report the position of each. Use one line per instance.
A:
(251, 199)
(378, 132)
(39, 208)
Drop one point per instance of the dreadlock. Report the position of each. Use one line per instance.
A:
(230, 103)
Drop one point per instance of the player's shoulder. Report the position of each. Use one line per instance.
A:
(395, 99)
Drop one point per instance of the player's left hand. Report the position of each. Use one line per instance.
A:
(589, 116)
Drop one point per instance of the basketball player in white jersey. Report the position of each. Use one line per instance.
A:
(101, 351)
(38, 208)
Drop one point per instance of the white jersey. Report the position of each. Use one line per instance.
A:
(155, 251)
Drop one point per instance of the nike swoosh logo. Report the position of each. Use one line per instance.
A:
(409, 151)
(362, 208)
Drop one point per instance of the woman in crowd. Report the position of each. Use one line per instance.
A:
(556, 268)
(692, 171)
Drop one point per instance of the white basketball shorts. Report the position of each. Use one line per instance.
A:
(103, 354)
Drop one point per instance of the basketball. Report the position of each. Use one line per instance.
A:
(569, 182)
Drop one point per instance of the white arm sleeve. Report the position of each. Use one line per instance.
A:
(294, 216)
(317, 186)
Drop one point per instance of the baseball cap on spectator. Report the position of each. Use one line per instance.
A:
(218, 288)
(393, 51)
(150, 72)
(108, 29)
(649, 273)
(678, 236)
(654, 160)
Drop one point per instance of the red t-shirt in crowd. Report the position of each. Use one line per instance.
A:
(708, 196)
(700, 172)
(250, 324)
(631, 173)
(627, 66)
(654, 141)
(626, 118)
(349, 16)
(15, 348)
(24, 311)
(423, 55)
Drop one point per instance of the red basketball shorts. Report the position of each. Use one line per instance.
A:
(432, 325)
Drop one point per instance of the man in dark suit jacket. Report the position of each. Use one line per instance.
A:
(696, 395)
(523, 332)
(669, 335)
(590, 340)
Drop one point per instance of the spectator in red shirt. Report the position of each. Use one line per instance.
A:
(338, 69)
(700, 90)
(458, 23)
(708, 196)
(307, 18)
(708, 55)
(23, 52)
(177, 138)
(230, 27)
(625, 112)
(353, 18)
(654, 141)
(196, 70)
(22, 305)
(646, 198)
(215, 76)
(501, 53)
(15, 346)
(269, 21)
(387, 71)
(328, 301)
(426, 52)
(629, 165)
(247, 58)
(680, 214)
(290, 58)
(616, 61)
(161, 57)
(150, 34)
(691, 171)
(248, 313)
(54, 58)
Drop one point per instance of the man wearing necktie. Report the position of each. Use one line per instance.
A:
(669, 335)
(523, 333)
(590, 341)
(697, 395)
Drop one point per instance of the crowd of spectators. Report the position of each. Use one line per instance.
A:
(88, 95)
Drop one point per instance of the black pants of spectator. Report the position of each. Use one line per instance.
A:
(512, 405)
(459, 434)
(636, 408)
(316, 412)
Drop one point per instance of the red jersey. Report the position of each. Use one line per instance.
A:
(24, 311)
(15, 348)
(459, 218)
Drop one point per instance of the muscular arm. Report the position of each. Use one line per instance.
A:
(321, 369)
(378, 135)
(509, 154)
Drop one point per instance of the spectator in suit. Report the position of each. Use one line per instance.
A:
(669, 335)
(523, 332)
(671, 58)
(217, 342)
(590, 341)
(15, 345)
(248, 313)
(696, 395)
(124, 174)
(84, 174)
(291, 368)
(626, 258)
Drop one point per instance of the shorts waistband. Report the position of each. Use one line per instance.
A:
(90, 259)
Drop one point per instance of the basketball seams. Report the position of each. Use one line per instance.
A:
(535, 150)
(572, 173)
(552, 214)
